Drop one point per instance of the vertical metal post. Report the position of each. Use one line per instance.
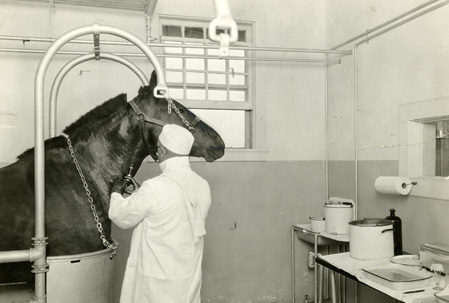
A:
(333, 291)
(315, 269)
(320, 289)
(293, 263)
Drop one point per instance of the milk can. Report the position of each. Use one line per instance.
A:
(338, 212)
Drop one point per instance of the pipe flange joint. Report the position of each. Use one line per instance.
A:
(40, 241)
(39, 269)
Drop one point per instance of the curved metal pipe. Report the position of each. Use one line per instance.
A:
(73, 63)
(40, 264)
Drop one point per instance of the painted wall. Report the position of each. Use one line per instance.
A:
(247, 247)
(247, 252)
(405, 65)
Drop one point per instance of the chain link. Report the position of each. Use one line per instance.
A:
(106, 243)
(171, 105)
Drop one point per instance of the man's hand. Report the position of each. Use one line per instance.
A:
(120, 185)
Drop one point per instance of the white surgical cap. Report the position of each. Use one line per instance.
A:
(177, 139)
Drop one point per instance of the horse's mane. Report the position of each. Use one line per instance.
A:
(109, 107)
(87, 121)
(90, 120)
(98, 113)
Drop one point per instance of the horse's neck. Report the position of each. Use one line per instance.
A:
(109, 152)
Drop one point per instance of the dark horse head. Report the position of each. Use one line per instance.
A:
(208, 143)
(122, 136)
(106, 142)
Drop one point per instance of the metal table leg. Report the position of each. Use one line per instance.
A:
(315, 269)
(293, 264)
(333, 291)
(320, 287)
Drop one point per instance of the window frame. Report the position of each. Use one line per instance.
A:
(415, 132)
(248, 106)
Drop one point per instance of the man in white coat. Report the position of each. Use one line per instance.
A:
(168, 215)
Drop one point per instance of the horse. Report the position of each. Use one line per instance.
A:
(104, 144)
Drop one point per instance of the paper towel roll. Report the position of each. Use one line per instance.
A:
(393, 185)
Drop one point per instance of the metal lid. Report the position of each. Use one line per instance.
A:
(371, 222)
(339, 205)
(317, 218)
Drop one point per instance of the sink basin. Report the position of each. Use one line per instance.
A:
(303, 232)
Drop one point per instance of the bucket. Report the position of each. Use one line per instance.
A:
(317, 224)
(371, 239)
(338, 213)
(80, 278)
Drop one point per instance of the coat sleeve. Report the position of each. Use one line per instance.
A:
(128, 212)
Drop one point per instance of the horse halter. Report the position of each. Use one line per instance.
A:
(142, 118)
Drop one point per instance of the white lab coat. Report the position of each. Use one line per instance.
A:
(168, 213)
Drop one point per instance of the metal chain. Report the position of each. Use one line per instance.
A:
(171, 105)
(106, 243)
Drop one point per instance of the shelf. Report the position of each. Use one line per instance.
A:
(303, 232)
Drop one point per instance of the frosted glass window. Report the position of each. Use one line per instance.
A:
(212, 52)
(237, 95)
(216, 65)
(236, 53)
(218, 95)
(173, 63)
(173, 77)
(229, 124)
(196, 94)
(194, 51)
(176, 93)
(217, 79)
(237, 80)
(195, 77)
(197, 64)
(237, 66)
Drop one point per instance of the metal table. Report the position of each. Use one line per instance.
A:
(303, 232)
(345, 265)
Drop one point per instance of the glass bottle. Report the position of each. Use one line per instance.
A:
(397, 231)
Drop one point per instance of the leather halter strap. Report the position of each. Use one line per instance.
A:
(142, 117)
(195, 122)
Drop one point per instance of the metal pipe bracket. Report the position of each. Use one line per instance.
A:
(96, 32)
(225, 22)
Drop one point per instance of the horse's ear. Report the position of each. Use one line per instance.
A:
(153, 80)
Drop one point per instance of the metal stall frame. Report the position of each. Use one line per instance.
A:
(72, 64)
(37, 254)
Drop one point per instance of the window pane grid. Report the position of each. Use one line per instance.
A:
(190, 75)
(219, 87)
(218, 80)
